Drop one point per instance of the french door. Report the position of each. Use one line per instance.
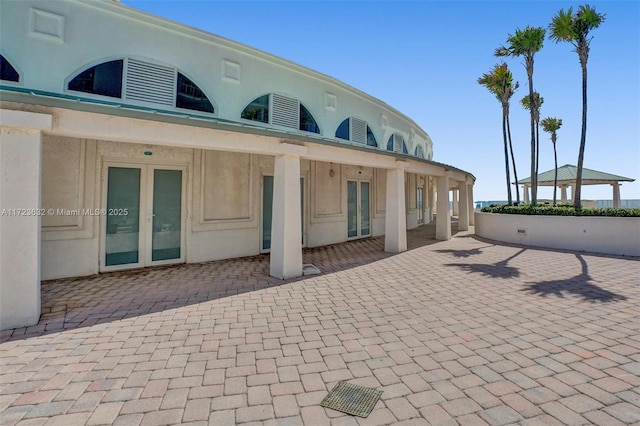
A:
(144, 217)
(358, 208)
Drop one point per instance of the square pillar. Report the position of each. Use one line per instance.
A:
(456, 207)
(286, 235)
(443, 220)
(472, 206)
(616, 195)
(20, 169)
(395, 219)
(525, 189)
(463, 216)
(563, 194)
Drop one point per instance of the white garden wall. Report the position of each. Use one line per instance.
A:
(607, 235)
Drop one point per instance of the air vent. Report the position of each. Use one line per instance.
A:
(358, 131)
(397, 143)
(150, 83)
(285, 111)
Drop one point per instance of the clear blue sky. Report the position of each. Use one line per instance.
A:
(424, 58)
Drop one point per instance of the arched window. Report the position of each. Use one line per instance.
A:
(371, 139)
(281, 111)
(104, 79)
(342, 131)
(307, 122)
(396, 144)
(189, 96)
(7, 71)
(258, 110)
(356, 130)
(145, 82)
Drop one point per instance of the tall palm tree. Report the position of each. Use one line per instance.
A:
(537, 104)
(574, 28)
(552, 125)
(527, 43)
(499, 81)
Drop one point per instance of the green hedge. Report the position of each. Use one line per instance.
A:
(561, 210)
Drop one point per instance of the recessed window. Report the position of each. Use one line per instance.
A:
(356, 130)
(396, 144)
(342, 131)
(371, 139)
(189, 96)
(258, 110)
(7, 71)
(281, 111)
(104, 79)
(307, 122)
(419, 152)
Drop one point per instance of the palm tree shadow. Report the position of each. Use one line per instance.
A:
(580, 285)
(463, 253)
(493, 270)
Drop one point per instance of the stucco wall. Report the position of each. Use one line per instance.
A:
(608, 235)
(223, 200)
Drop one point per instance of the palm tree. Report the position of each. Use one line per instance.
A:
(527, 43)
(537, 104)
(499, 81)
(552, 125)
(575, 28)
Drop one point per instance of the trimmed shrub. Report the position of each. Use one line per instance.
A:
(561, 210)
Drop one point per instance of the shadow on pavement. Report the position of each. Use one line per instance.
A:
(493, 270)
(580, 285)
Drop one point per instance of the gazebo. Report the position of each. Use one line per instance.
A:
(567, 178)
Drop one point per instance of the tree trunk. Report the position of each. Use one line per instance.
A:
(537, 147)
(534, 176)
(506, 158)
(555, 175)
(577, 198)
(513, 161)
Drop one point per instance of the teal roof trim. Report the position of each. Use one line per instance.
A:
(178, 117)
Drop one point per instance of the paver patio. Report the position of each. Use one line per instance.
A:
(465, 332)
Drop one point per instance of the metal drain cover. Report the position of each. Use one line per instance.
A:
(352, 399)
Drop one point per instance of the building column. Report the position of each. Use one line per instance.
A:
(395, 219)
(432, 198)
(573, 192)
(525, 190)
(286, 235)
(455, 206)
(20, 169)
(616, 195)
(463, 216)
(425, 200)
(563, 194)
(472, 207)
(443, 220)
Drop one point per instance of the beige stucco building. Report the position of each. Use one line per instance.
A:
(130, 141)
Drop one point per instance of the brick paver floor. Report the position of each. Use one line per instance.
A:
(463, 332)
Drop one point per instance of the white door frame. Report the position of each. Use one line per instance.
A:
(145, 231)
(359, 208)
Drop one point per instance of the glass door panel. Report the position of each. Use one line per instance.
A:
(420, 206)
(167, 215)
(267, 211)
(122, 240)
(364, 209)
(352, 209)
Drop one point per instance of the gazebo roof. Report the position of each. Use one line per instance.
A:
(567, 175)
